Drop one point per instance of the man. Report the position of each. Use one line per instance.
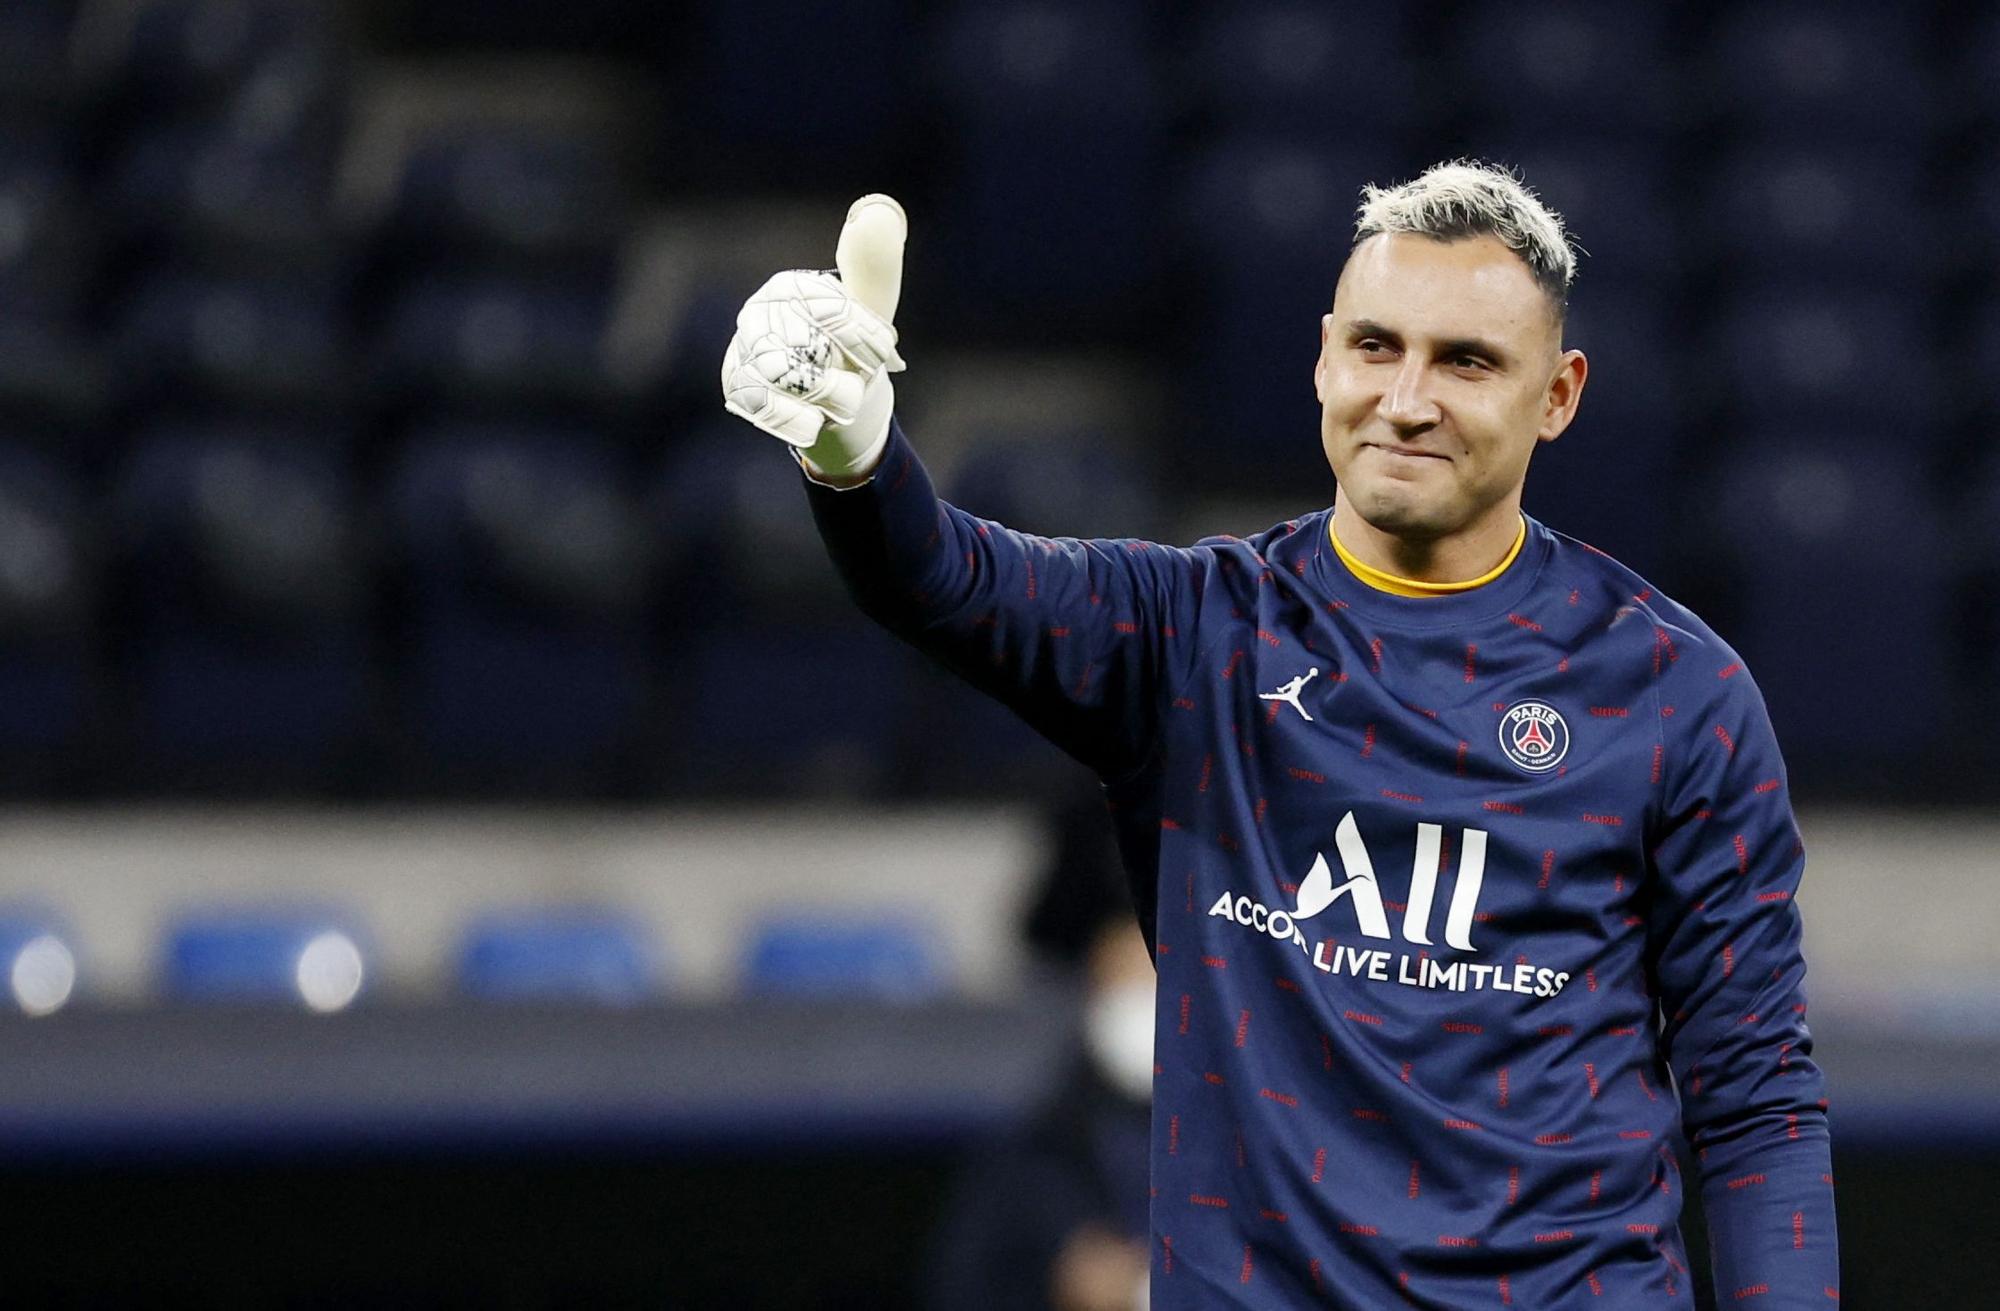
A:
(1364, 1098)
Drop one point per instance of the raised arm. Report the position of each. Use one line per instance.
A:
(1083, 638)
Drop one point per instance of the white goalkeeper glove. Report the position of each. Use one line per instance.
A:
(811, 358)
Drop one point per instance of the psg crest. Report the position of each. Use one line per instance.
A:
(1534, 736)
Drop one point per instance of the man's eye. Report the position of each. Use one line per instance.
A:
(1471, 361)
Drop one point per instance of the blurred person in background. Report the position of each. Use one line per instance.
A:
(1053, 1215)
(1420, 676)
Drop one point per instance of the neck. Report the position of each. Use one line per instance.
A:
(1469, 553)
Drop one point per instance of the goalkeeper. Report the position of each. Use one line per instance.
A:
(1465, 856)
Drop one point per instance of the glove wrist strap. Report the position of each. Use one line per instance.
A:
(855, 449)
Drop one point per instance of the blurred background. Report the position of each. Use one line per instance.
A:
(416, 884)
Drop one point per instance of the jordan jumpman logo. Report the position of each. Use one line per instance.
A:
(1289, 693)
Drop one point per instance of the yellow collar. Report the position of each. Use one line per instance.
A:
(1388, 582)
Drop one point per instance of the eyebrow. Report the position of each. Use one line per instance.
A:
(1448, 346)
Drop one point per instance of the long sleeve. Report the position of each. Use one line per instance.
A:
(1082, 638)
(1725, 950)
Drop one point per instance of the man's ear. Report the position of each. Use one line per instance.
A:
(1565, 393)
(1319, 362)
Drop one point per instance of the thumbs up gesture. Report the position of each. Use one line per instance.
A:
(810, 360)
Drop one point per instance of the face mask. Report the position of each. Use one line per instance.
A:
(1118, 1029)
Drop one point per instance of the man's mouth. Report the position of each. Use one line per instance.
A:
(1407, 452)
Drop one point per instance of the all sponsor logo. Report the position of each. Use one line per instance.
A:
(1362, 891)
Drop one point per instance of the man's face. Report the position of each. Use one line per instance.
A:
(1439, 370)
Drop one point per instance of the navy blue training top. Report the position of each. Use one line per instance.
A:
(1461, 905)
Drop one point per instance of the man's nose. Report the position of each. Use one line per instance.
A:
(1406, 402)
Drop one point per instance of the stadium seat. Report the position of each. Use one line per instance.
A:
(51, 689)
(1055, 483)
(1776, 207)
(194, 184)
(768, 709)
(250, 662)
(265, 955)
(1804, 350)
(37, 960)
(47, 247)
(558, 954)
(1601, 480)
(1570, 68)
(1975, 397)
(35, 71)
(736, 535)
(1973, 62)
(1975, 628)
(1047, 229)
(188, 338)
(511, 190)
(527, 564)
(1287, 71)
(1839, 595)
(168, 53)
(494, 340)
(989, 755)
(842, 955)
(1847, 72)
(738, 118)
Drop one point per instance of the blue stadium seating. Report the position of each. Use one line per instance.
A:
(1055, 483)
(35, 72)
(773, 710)
(1846, 72)
(48, 248)
(746, 117)
(1837, 545)
(528, 571)
(187, 338)
(1296, 72)
(843, 955)
(1570, 69)
(203, 185)
(1977, 396)
(51, 690)
(187, 52)
(1774, 207)
(1601, 480)
(38, 965)
(1044, 223)
(989, 754)
(1800, 351)
(737, 536)
(508, 190)
(267, 954)
(495, 339)
(251, 655)
(1971, 68)
(558, 954)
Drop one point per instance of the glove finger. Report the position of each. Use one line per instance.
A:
(748, 395)
(866, 338)
(796, 356)
(840, 395)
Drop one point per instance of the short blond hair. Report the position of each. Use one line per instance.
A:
(1468, 198)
